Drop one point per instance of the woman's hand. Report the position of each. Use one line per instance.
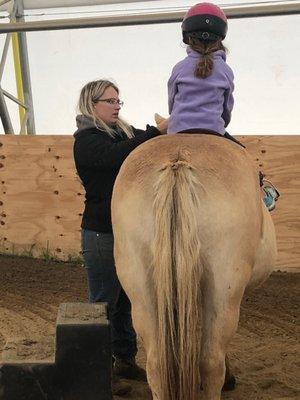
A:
(161, 123)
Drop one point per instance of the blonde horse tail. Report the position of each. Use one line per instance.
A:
(177, 273)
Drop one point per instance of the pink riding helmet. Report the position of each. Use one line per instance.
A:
(204, 21)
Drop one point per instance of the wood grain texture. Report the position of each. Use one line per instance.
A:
(41, 198)
(279, 158)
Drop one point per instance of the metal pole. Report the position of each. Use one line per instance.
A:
(4, 115)
(4, 54)
(25, 71)
(18, 70)
(240, 11)
(4, 2)
(13, 98)
(40, 4)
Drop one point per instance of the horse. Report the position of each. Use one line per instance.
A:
(191, 233)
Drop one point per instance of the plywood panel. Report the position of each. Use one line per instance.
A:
(41, 198)
(279, 158)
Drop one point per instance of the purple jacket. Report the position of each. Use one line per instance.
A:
(196, 103)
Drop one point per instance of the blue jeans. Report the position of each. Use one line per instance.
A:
(104, 286)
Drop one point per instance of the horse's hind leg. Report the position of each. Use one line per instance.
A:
(145, 325)
(221, 305)
(135, 277)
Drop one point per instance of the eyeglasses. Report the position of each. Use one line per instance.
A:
(113, 102)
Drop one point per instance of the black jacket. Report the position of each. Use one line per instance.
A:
(98, 158)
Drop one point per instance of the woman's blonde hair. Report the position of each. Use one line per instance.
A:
(205, 65)
(89, 96)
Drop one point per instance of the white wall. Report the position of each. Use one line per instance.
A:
(263, 52)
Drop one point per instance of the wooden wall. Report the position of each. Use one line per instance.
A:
(41, 198)
(279, 158)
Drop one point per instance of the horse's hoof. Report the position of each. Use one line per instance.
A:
(229, 383)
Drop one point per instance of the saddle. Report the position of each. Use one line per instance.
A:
(208, 132)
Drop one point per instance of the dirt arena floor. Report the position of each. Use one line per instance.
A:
(264, 353)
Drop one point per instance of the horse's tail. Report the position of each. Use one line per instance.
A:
(177, 275)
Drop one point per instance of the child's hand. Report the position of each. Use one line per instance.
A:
(161, 123)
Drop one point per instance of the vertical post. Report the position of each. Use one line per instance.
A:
(4, 114)
(25, 70)
(4, 54)
(18, 76)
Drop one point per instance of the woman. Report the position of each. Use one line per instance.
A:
(102, 142)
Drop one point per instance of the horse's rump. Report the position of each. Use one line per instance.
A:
(227, 183)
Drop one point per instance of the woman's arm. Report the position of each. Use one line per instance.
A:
(98, 151)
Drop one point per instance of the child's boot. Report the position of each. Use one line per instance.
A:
(270, 193)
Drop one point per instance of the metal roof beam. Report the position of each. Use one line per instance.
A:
(240, 11)
(40, 4)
